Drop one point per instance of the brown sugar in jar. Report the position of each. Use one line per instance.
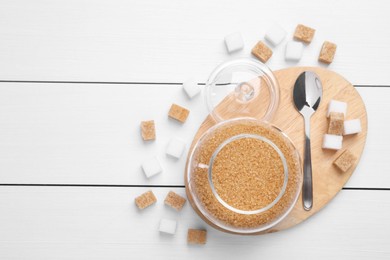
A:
(248, 174)
(243, 176)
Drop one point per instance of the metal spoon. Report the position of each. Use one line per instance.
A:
(307, 97)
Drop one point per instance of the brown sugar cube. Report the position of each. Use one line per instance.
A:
(262, 51)
(197, 236)
(336, 123)
(327, 53)
(175, 200)
(304, 33)
(148, 130)
(179, 113)
(345, 160)
(145, 200)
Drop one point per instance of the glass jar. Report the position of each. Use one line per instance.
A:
(243, 174)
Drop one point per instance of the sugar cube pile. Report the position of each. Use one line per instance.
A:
(294, 51)
(168, 226)
(151, 167)
(338, 127)
(234, 42)
(176, 147)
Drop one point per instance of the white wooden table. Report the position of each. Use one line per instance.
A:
(77, 77)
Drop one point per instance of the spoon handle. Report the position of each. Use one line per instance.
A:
(307, 191)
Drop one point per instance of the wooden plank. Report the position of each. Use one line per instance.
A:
(89, 133)
(103, 223)
(81, 133)
(169, 41)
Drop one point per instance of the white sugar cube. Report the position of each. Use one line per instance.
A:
(352, 127)
(168, 226)
(234, 42)
(333, 142)
(275, 34)
(337, 106)
(294, 51)
(191, 87)
(176, 148)
(151, 167)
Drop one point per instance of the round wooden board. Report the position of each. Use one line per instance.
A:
(327, 179)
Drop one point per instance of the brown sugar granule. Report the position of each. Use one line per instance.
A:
(197, 236)
(178, 113)
(145, 200)
(251, 183)
(148, 130)
(262, 51)
(203, 190)
(345, 160)
(327, 53)
(336, 123)
(304, 33)
(175, 200)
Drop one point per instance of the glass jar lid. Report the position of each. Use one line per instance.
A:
(242, 88)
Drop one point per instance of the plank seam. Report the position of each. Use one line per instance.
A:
(140, 186)
(92, 185)
(136, 83)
